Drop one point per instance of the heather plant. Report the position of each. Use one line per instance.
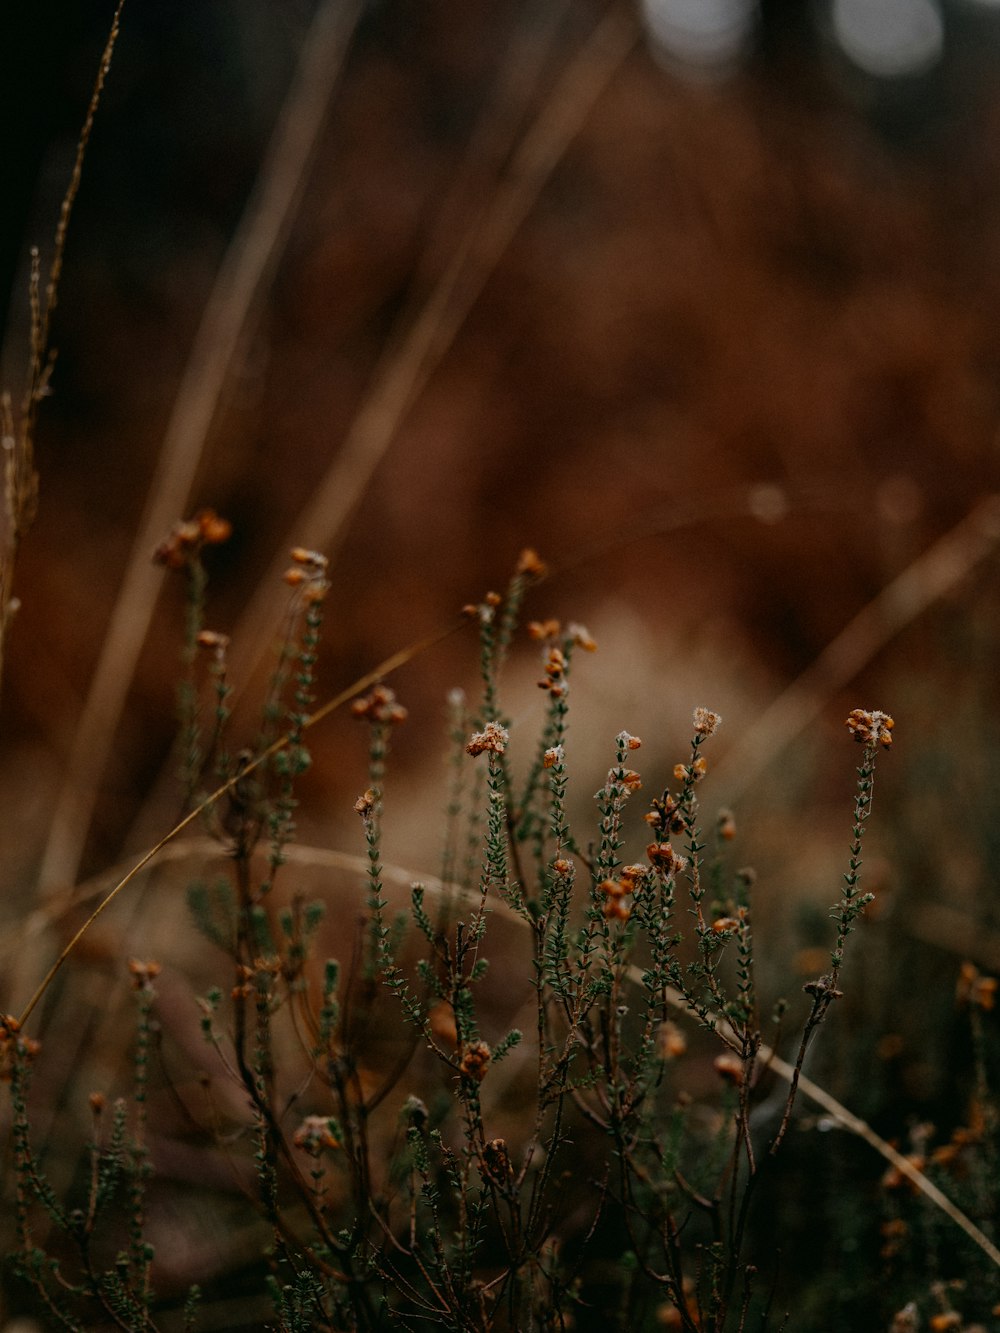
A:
(592, 1154)
(374, 1082)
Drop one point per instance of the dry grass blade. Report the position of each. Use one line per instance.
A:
(933, 574)
(406, 367)
(249, 264)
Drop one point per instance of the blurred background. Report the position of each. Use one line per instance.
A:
(696, 297)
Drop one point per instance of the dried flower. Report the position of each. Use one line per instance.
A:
(314, 1134)
(725, 825)
(633, 877)
(187, 538)
(870, 728)
(630, 779)
(309, 573)
(616, 909)
(142, 974)
(940, 1323)
(705, 721)
(475, 1060)
(365, 804)
(725, 925)
(380, 706)
(555, 673)
(553, 756)
(663, 858)
(493, 737)
(581, 636)
(730, 1069)
(496, 1160)
(441, 1020)
(214, 529)
(214, 643)
(670, 1040)
(531, 564)
(975, 989)
(906, 1320)
(543, 629)
(14, 1046)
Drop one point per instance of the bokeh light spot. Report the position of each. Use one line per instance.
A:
(701, 32)
(889, 38)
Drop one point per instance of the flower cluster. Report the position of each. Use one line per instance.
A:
(553, 756)
(663, 858)
(496, 1160)
(475, 1060)
(974, 989)
(551, 630)
(615, 908)
(365, 804)
(493, 737)
(14, 1045)
(314, 1134)
(531, 565)
(705, 721)
(188, 537)
(486, 611)
(671, 1042)
(617, 892)
(554, 679)
(729, 1068)
(870, 728)
(664, 815)
(379, 706)
(143, 974)
(213, 642)
(308, 572)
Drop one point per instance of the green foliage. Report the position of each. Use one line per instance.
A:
(438, 1216)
